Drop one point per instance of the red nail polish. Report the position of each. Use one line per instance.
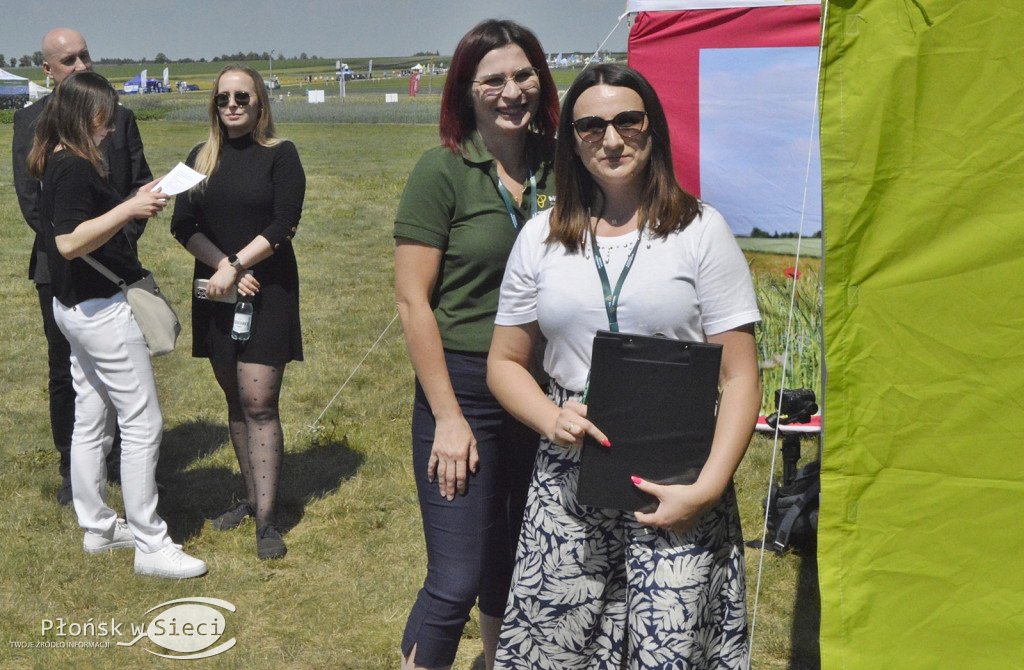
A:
(605, 442)
(635, 479)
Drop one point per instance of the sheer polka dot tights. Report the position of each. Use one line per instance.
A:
(253, 391)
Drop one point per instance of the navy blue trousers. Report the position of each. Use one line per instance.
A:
(471, 540)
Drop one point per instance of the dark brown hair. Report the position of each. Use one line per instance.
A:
(664, 205)
(457, 118)
(81, 104)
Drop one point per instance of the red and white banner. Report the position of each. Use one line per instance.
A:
(739, 86)
(414, 84)
(680, 5)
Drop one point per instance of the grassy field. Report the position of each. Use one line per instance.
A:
(808, 248)
(356, 558)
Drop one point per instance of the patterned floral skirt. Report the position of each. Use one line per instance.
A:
(595, 590)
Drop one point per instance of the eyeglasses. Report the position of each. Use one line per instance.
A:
(627, 125)
(242, 98)
(527, 79)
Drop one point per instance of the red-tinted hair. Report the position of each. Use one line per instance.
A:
(457, 118)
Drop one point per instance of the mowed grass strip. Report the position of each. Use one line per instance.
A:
(356, 557)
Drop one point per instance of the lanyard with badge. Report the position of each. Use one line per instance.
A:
(508, 200)
(611, 297)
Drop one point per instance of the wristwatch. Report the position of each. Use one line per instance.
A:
(235, 263)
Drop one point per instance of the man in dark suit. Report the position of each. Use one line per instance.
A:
(64, 53)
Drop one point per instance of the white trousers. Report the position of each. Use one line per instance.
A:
(113, 379)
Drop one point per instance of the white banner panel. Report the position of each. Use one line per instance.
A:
(682, 5)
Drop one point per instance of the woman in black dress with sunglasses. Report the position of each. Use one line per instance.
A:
(239, 224)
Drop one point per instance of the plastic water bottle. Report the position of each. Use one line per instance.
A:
(243, 318)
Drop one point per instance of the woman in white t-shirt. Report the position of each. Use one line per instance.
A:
(596, 588)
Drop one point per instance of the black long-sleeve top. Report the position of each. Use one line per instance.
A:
(255, 190)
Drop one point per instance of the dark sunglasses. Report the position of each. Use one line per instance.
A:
(627, 125)
(242, 99)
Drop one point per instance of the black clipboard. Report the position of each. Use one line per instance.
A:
(656, 400)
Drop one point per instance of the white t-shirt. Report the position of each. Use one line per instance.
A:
(687, 286)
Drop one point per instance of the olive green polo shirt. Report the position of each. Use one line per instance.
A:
(452, 203)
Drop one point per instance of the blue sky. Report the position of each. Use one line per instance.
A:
(756, 129)
(328, 28)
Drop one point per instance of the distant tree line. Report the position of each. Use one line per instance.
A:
(757, 232)
(36, 59)
(252, 55)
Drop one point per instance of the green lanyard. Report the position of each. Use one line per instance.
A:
(508, 200)
(611, 298)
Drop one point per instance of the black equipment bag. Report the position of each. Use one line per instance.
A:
(793, 511)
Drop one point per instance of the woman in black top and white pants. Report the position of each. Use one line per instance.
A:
(110, 365)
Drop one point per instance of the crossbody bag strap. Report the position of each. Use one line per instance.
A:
(99, 267)
(102, 269)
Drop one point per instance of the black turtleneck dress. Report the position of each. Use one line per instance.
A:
(255, 190)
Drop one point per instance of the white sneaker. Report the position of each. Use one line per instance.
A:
(170, 562)
(122, 538)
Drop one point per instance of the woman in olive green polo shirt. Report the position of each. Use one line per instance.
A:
(458, 218)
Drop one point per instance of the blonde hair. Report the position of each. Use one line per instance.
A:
(81, 104)
(264, 134)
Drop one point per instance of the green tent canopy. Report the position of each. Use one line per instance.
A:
(922, 144)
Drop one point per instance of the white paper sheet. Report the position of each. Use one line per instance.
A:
(180, 179)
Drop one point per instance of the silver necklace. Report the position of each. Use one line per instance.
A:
(607, 247)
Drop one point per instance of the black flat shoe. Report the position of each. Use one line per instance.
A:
(269, 543)
(234, 517)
